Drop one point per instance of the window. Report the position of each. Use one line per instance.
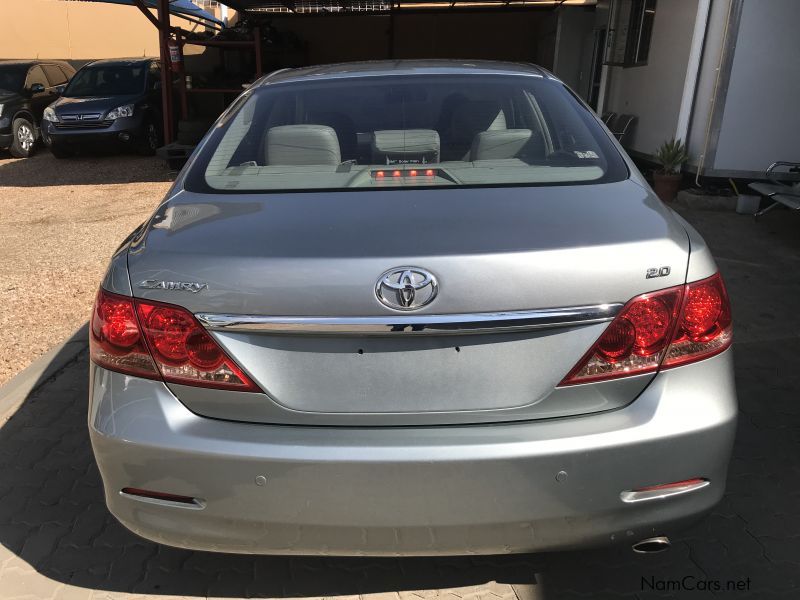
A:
(68, 71)
(154, 76)
(36, 75)
(54, 75)
(106, 80)
(632, 29)
(406, 131)
(12, 78)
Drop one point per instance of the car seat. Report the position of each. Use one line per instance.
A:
(302, 145)
(467, 120)
(508, 143)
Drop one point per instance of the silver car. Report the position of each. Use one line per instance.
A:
(411, 308)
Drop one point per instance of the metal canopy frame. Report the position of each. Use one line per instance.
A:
(161, 21)
(164, 27)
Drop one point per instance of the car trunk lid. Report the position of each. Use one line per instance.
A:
(318, 257)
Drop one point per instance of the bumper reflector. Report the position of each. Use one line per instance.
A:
(161, 497)
(664, 490)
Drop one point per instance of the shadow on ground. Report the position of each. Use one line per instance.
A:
(95, 167)
(52, 514)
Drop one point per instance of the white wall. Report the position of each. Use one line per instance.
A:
(653, 92)
(761, 113)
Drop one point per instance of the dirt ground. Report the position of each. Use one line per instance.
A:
(60, 221)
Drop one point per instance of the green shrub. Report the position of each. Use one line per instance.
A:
(671, 155)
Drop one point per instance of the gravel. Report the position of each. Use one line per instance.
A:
(60, 221)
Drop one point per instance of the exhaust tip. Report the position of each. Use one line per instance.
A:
(652, 545)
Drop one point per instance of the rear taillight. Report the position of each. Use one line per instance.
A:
(116, 341)
(705, 327)
(156, 340)
(661, 329)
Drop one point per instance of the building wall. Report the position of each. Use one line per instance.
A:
(761, 115)
(77, 31)
(653, 92)
(491, 35)
(333, 39)
(497, 35)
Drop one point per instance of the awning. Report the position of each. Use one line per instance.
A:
(340, 6)
(180, 8)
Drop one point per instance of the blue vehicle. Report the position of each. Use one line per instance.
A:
(108, 102)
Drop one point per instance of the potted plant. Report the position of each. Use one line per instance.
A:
(666, 181)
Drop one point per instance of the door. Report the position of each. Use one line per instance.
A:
(154, 86)
(597, 67)
(41, 91)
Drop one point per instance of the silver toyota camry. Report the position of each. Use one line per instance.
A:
(412, 308)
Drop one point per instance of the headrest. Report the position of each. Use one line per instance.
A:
(405, 146)
(506, 143)
(302, 145)
(477, 115)
(344, 127)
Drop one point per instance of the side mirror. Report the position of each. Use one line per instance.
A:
(37, 88)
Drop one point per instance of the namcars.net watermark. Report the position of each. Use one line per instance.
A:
(691, 583)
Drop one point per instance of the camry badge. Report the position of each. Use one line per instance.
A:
(406, 288)
(174, 286)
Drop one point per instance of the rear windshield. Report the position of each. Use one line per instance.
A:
(12, 78)
(404, 131)
(106, 81)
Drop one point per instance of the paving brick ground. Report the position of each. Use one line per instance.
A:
(58, 541)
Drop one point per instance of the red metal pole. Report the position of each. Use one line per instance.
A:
(182, 78)
(166, 69)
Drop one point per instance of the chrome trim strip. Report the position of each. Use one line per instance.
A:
(196, 505)
(630, 496)
(473, 323)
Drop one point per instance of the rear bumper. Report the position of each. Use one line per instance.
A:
(416, 491)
